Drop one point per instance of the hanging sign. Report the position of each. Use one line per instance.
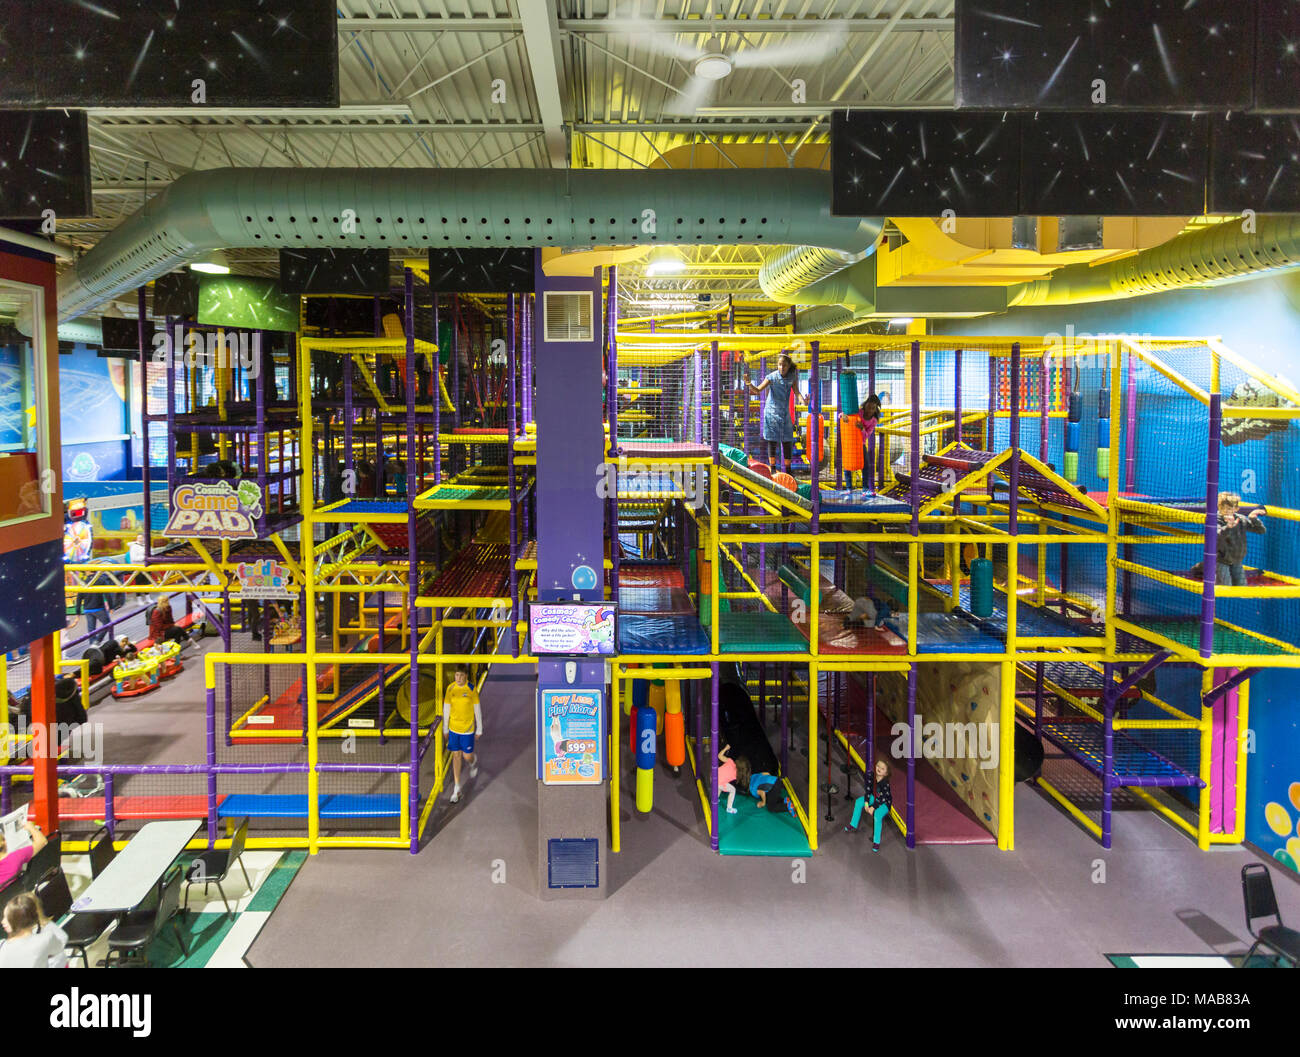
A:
(264, 579)
(214, 510)
(572, 749)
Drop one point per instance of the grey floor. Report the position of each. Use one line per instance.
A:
(1059, 899)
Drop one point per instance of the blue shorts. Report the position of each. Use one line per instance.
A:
(460, 742)
(760, 782)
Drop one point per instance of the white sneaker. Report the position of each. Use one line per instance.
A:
(731, 811)
(473, 769)
(455, 797)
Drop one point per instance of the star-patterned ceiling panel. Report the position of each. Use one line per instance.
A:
(31, 594)
(176, 294)
(150, 52)
(481, 271)
(1027, 54)
(1277, 56)
(921, 163)
(338, 271)
(1127, 164)
(123, 336)
(1255, 163)
(44, 164)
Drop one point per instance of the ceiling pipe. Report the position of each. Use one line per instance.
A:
(1222, 253)
(35, 242)
(439, 208)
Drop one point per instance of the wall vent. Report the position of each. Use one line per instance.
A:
(573, 863)
(566, 316)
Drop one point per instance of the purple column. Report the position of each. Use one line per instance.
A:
(956, 382)
(1209, 561)
(715, 398)
(1130, 429)
(435, 390)
(915, 497)
(611, 392)
(210, 747)
(785, 717)
(348, 414)
(811, 439)
(911, 755)
(870, 454)
(511, 434)
(1044, 392)
(1015, 450)
(993, 401)
(145, 472)
(699, 398)
(713, 754)
(413, 567)
(1107, 751)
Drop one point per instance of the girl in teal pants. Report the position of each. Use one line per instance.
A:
(877, 805)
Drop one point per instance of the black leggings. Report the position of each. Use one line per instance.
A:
(785, 448)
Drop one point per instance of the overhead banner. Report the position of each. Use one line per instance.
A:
(265, 579)
(214, 510)
(572, 748)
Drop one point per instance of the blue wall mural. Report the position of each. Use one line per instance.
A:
(1259, 319)
(92, 399)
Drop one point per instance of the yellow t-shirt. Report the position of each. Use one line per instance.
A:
(462, 700)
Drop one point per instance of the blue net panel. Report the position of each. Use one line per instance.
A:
(1133, 763)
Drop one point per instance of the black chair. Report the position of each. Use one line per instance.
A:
(1257, 890)
(137, 931)
(82, 929)
(102, 851)
(213, 867)
(45, 860)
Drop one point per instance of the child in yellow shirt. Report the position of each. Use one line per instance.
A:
(464, 722)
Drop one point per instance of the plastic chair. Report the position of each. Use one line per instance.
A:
(102, 851)
(45, 860)
(1257, 890)
(213, 867)
(135, 934)
(82, 929)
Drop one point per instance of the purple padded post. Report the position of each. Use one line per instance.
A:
(1015, 448)
(1209, 560)
(915, 497)
(911, 755)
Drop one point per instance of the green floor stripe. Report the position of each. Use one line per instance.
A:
(270, 891)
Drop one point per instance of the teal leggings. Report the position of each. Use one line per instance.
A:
(878, 817)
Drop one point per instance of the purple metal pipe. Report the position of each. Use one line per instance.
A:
(435, 390)
(915, 397)
(1107, 751)
(911, 755)
(413, 568)
(1044, 372)
(871, 444)
(1209, 561)
(699, 399)
(146, 473)
(713, 753)
(812, 440)
(1130, 429)
(513, 432)
(1015, 448)
(993, 402)
(956, 384)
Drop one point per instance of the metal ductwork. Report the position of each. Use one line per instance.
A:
(419, 209)
(1200, 258)
(785, 273)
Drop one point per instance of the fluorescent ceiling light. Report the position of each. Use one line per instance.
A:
(665, 261)
(213, 263)
(901, 321)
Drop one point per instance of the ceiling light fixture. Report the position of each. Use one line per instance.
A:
(214, 263)
(665, 261)
(714, 64)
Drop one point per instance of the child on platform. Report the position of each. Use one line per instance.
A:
(866, 419)
(759, 784)
(1232, 542)
(877, 803)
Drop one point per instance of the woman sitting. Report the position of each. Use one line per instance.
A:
(162, 625)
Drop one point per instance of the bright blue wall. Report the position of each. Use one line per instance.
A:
(92, 418)
(1259, 319)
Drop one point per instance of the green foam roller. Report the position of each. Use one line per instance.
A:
(848, 393)
(1072, 466)
(1103, 463)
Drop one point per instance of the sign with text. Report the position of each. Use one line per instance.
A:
(215, 510)
(571, 629)
(570, 735)
(267, 578)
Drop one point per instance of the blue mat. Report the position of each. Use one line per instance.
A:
(680, 633)
(859, 501)
(660, 601)
(946, 633)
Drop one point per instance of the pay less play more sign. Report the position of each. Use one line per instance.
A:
(215, 510)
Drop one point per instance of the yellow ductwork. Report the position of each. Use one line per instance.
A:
(979, 251)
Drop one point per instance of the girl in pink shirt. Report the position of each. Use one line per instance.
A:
(727, 778)
(12, 863)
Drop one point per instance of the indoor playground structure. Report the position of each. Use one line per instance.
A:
(1026, 568)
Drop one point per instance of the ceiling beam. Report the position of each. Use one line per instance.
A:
(540, 20)
(699, 26)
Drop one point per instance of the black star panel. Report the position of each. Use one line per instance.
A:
(481, 271)
(149, 52)
(1277, 56)
(44, 163)
(31, 594)
(1027, 54)
(343, 317)
(1255, 163)
(176, 294)
(1116, 164)
(339, 271)
(920, 163)
(123, 336)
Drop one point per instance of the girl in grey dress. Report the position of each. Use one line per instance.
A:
(777, 425)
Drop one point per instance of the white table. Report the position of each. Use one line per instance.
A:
(127, 881)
